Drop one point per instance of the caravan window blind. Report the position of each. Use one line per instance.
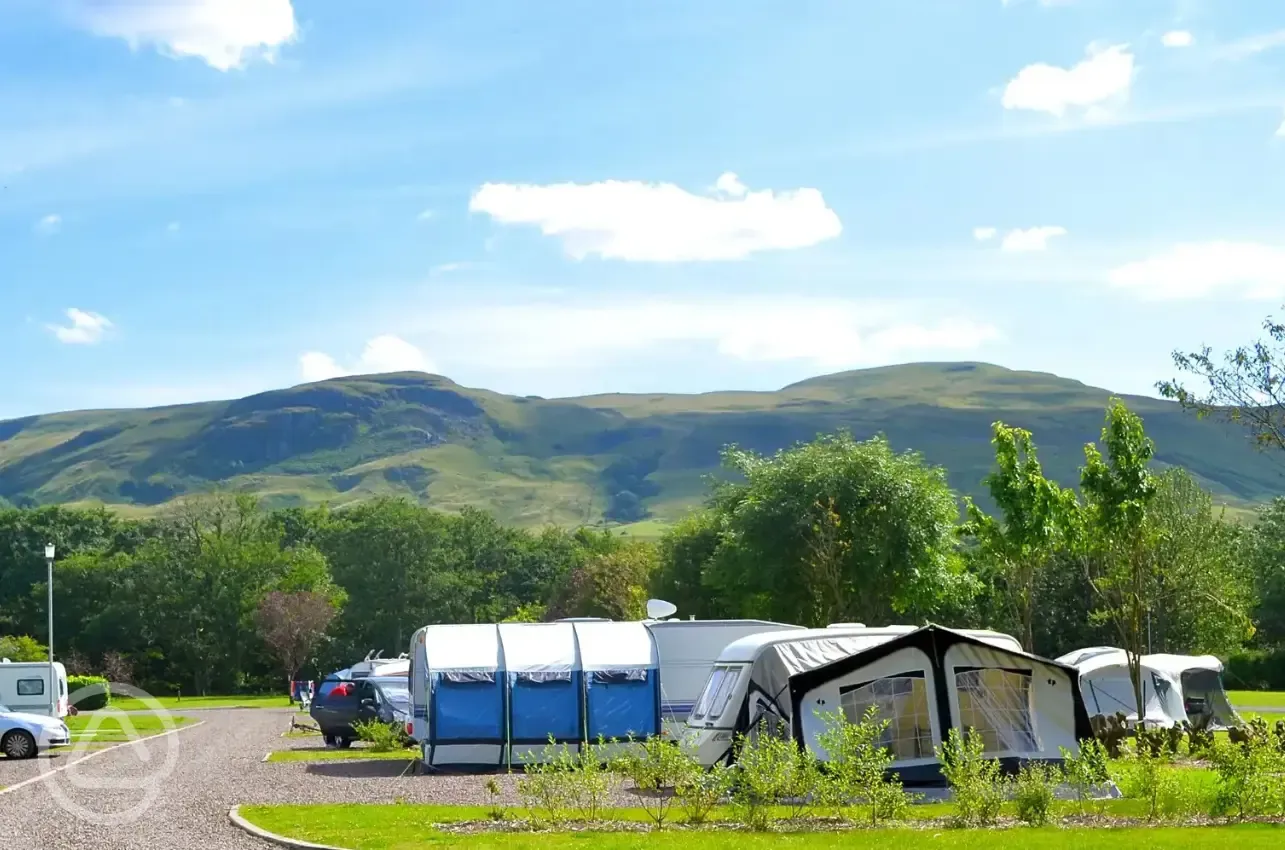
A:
(902, 700)
(996, 704)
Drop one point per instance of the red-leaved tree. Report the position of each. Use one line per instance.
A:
(291, 624)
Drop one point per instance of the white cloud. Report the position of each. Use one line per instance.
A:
(1030, 239)
(50, 224)
(385, 353)
(1252, 45)
(661, 222)
(85, 329)
(226, 34)
(1280, 131)
(1198, 269)
(824, 333)
(984, 234)
(1104, 76)
(1177, 38)
(173, 227)
(424, 215)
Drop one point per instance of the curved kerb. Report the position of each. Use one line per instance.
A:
(234, 815)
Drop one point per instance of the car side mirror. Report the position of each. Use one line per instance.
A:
(368, 703)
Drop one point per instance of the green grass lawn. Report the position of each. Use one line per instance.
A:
(1250, 699)
(200, 703)
(356, 753)
(411, 827)
(115, 729)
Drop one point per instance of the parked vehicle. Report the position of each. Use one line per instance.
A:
(340, 704)
(23, 735)
(25, 687)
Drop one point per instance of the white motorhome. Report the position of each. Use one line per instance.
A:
(688, 650)
(25, 687)
(924, 680)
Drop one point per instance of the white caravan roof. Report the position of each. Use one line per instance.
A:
(807, 649)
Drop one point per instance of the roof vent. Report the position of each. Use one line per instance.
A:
(846, 626)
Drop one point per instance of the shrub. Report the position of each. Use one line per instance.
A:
(495, 808)
(1151, 779)
(1257, 669)
(975, 781)
(1248, 776)
(100, 698)
(588, 778)
(857, 769)
(382, 737)
(772, 771)
(702, 791)
(654, 767)
(1085, 771)
(1033, 793)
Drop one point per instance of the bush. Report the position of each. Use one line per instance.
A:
(857, 769)
(1257, 669)
(701, 792)
(1249, 782)
(382, 737)
(1085, 771)
(974, 780)
(654, 766)
(100, 698)
(1153, 780)
(565, 780)
(1033, 793)
(772, 771)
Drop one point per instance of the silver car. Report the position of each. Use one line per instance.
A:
(23, 736)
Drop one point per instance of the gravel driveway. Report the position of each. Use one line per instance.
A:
(126, 799)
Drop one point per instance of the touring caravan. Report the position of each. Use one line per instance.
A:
(1175, 688)
(688, 650)
(924, 680)
(487, 695)
(25, 687)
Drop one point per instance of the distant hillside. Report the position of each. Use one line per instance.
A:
(610, 457)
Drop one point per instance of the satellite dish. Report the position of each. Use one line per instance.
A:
(659, 609)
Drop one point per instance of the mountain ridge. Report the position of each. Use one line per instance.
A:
(610, 457)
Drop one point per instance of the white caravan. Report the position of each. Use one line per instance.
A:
(25, 687)
(1175, 688)
(688, 650)
(924, 680)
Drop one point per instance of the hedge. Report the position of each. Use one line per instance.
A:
(1256, 670)
(92, 701)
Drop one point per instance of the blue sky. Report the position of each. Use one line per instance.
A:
(208, 198)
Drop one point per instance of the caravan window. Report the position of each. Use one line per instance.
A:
(902, 700)
(31, 687)
(996, 704)
(718, 690)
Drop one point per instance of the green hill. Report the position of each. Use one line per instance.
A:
(581, 460)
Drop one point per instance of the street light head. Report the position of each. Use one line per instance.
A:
(49, 552)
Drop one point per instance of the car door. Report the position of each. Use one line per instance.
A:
(367, 702)
(335, 707)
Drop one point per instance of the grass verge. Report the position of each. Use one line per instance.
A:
(411, 827)
(356, 753)
(200, 703)
(1252, 699)
(109, 727)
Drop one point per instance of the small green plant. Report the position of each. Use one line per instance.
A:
(1151, 779)
(495, 808)
(1248, 776)
(1200, 738)
(588, 778)
(857, 769)
(772, 771)
(974, 780)
(655, 767)
(1086, 770)
(1153, 741)
(701, 791)
(1033, 793)
(382, 737)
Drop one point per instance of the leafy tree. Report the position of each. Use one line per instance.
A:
(1115, 540)
(1020, 545)
(1263, 548)
(1245, 387)
(23, 648)
(684, 553)
(612, 585)
(292, 623)
(835, 529)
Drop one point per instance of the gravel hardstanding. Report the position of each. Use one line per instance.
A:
(215, 766)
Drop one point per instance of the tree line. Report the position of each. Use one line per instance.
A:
(220, 595)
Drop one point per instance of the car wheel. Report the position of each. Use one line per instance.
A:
(19, 744)
(329, 740)
(345, 743)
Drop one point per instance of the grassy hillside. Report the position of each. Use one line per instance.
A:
(628, 458)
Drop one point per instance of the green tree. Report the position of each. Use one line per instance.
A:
(1246, 385)
(684, 554)
(835, 529)
(612, 585)
(1263, 548)
(1020, 545)
(1115, 540)
(23, 648)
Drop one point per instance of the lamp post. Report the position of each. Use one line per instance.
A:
(49, 584)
